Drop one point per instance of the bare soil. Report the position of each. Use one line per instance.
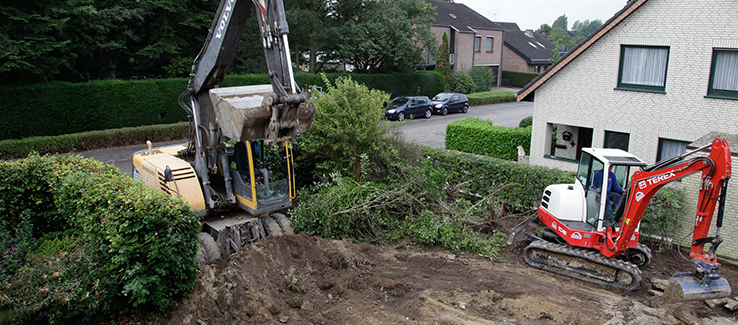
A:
(301, 279)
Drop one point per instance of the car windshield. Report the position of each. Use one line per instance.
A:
(400, 101)
(441, 97)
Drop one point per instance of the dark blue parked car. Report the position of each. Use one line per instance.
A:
(450, 102)
(403, 107)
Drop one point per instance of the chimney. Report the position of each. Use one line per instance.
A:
(529, 32)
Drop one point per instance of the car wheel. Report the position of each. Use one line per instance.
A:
(428, 113)
(445, 111)
(466, 109)
(401, 116)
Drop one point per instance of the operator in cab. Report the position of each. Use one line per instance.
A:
(613, 193)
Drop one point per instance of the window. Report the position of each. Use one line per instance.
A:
(724, 74)
(490, 44)
(617, 140)
(643, 68)
(565, 142)
(477, 40)
(669, 148)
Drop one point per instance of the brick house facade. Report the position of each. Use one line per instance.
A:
(591, 95)
(473, 39)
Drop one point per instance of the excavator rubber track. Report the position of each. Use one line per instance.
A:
(582, 264)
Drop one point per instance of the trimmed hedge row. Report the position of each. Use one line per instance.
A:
(479, 136)
(11, 149)
(487, 174)
(63, 108)
(519, 79)
(491, 97)
(106, 244)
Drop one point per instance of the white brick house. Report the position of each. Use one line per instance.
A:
(597, 95)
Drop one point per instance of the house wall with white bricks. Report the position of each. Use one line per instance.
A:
(583, 93)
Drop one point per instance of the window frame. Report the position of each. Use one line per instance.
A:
(477, 43)
(714, 93)
(607, 140)
(659, 150)
(638, 87)
(490, 44)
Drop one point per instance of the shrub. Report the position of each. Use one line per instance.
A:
(461, 82)
(519, 79)
(659, 221)
(347, 137)
(483, 175)
(526, 122)
(109, 244)
(491, 97)
(483, 77)
(479, 136)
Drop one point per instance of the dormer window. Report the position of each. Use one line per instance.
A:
(452, 16)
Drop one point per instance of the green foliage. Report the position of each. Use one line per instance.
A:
(491, 97)
(347, 137)
(526, 122)
(462, 82)
(377, 36)
(485, 174)
(108, 244)
(407, 208)
(483, 77)
(443, 66)
(659, 221)
(580, 30)
(11, 149)
(37, 110)
(519, 79)
(479, 136)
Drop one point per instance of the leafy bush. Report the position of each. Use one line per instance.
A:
(347, 137)
(479, 136)
(462, 82)
(526, 122)
(11, 149)
(659, 221)
(108, 244)
(519, 79)
(483, 175)
(491, 97)
(483, 77)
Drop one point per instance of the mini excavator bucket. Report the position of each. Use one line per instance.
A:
(690, 286)
(249, 113)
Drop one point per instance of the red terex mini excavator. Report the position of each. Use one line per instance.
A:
(237, 168)
(595, 239)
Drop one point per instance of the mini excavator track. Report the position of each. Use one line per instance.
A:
(582, 264)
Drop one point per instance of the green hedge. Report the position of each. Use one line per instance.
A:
(479, 136)
(491, 97)
(519, 79)
(484, 175)
(11, 149)
(63, 108)
(93, 242)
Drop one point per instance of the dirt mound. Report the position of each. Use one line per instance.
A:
(302, 279)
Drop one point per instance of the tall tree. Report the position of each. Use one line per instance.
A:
(561, 22)
(307, 20)
(378, 35)
(443, 65)
(580, 30)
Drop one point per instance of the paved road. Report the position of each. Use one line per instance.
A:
(430, 132)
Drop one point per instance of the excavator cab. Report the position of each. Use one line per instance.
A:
(603, 213)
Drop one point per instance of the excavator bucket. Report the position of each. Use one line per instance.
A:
(688, 287)
(246, 113)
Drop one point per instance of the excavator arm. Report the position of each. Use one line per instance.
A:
(277, 114)
(715, 171)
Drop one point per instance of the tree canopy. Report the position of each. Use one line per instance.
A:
(564, 39)
(82, 40)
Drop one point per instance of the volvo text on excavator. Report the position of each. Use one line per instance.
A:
(237, 168)
(593, 232)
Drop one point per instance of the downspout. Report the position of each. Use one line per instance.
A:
(502, 59)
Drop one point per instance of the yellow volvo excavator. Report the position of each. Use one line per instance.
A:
(237, 168)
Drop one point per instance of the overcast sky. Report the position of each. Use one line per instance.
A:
(531, 14)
